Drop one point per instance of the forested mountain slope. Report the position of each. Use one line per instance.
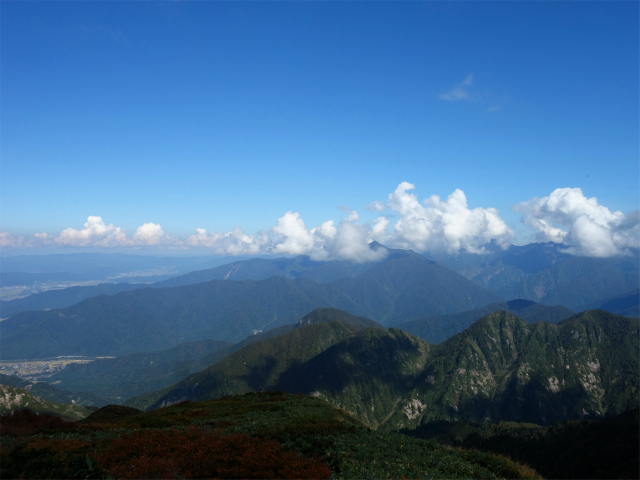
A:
(501, 368)
(150, 319)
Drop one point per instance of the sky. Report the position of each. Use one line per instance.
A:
(315, 127)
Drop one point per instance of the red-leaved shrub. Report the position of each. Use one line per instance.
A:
(198, 454)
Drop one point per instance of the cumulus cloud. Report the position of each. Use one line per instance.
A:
(403, 221)
(292, 235)
(152, 234)
(10, 241)
(432, 225)
(461, 91)
(235, 242)
(585, 227)
(436, 225)
(95, 233)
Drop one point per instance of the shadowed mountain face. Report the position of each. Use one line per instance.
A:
(501, 368)
(399, 288)
(259, 365)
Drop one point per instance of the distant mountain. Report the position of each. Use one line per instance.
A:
(28, 269)
(538, 272)
(260, 268)
(292, 268)
(501, 368)
(12, 399)
(545, 273)
(438, 328)
(252, 269)
(627, 304)
(394, 290)
(61, 298)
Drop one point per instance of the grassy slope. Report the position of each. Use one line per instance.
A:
(310, 427)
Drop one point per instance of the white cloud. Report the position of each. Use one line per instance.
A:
(376, 206)
(431, 225)
(461, 91)
(150, 234)
(232, 243)
(95, 233)
(585, 227)
(10, 241)
(293, 238)
(436, 225)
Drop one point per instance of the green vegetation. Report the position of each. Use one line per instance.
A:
(260, 364)
(118, 378)
(150, 319)
(501, 368)
(608, 448)
(266, 435)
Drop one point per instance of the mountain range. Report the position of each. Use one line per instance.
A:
(408, 342)
(501, 368)
(546, 273)
(540, 272)
(389, 292)
(232, 301)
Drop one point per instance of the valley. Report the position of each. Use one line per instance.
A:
(40, 369)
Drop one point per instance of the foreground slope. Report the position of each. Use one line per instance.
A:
(607, 448)
(266, 435)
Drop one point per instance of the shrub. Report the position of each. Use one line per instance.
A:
(197, 454)
(25, 421)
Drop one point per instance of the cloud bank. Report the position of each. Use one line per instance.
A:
(586, 228)
(402, 221)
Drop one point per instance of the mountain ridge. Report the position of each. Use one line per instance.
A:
(156, 318)
(500, 368)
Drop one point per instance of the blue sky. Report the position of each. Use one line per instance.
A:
(235, 118)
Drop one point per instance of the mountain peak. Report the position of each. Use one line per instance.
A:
(320, 315)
